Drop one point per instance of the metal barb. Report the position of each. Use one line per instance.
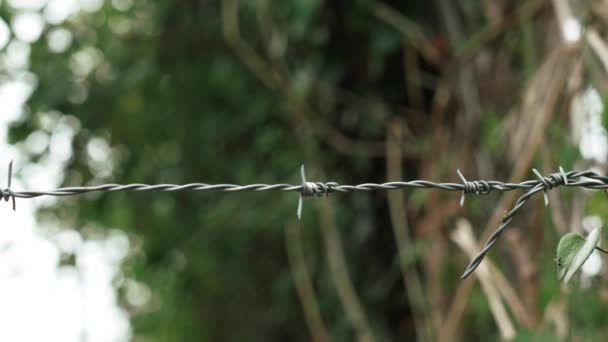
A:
(563, 173)
(301, 199)
(464, 184)
(546, 186)
(7, 193)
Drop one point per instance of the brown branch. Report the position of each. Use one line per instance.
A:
(463, 237)
(338, 271)
(331, 237)
(304, 287)
(398, 209)
(409, 29)
(493, 31)
(232, 35)
(527, 274)
(557, 65)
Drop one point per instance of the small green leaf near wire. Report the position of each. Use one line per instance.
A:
(572, 252)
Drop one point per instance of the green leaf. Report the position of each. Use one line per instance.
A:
(567, 248)
(572, 252)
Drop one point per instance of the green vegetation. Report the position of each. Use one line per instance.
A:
(246, 91)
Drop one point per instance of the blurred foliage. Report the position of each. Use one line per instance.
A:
(180, 98)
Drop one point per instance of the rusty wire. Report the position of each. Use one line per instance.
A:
(306, 188)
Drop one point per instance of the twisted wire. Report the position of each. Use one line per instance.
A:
(582, 179)
(316, 188)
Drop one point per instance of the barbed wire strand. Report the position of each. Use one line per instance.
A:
(480, 187)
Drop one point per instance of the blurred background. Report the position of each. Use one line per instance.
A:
(230, 91)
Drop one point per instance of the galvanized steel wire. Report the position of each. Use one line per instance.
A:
(583, 179)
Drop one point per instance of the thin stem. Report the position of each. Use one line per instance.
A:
(601, 250)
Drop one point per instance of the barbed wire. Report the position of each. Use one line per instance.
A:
(480, 187)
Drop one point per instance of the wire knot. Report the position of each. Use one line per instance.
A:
(478, 187)
(317, 188)
(551, 181)
(312, 188)
(7, 193)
